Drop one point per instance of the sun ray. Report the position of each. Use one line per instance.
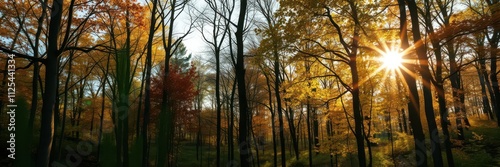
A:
(394, 61)
(391, 60)
(375, 72)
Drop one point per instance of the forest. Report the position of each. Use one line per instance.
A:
(245, 83)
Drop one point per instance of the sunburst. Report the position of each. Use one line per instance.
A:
(392, 60)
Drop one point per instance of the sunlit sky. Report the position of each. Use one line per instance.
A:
(195, 44)
(194, 41)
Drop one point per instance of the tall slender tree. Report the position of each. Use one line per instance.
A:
(243, 138)
(493, 41)
(51, 64)
(147, 94)
(216, 41)
(413, 104)
(427, 82)
(266, 8)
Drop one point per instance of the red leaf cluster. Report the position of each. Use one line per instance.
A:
(180, 93)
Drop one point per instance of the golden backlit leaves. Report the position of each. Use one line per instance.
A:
(313, 40)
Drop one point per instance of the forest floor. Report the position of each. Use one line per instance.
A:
(481, 148)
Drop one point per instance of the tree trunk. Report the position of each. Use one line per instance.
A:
(483, 78)
(413, 105)
(231, 123)
(493, 40)
(80, 107)
(427, 83)
(329, 132)
(51, 70)
(309, 135)
(147, 94)
(293, 131)
(442, 103)
(36, 70)
(462, 102)
(218, 104)
(356, 102)
(139, 107)
(256, 143)
(167, 115)
(240, 75)
(493, 71)
(455, 84)
(400, 121)
(440, 88)
(405, 123)
(316, 131)
(65, 106)
(278, 103)
(103, 104)
(273, 118)
(356, 105)
(123, 76)
(484, 97)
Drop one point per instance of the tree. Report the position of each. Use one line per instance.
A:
(219, 30)
(424, 70)
(243, 139)
(181, 59)
(147, 96)
(266, 9)
(181, 90)
(170, 45)
(47, 131)
(124, 35)
(493, 40)
(413, 104)
(348, 54)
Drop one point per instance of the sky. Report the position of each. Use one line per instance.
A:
(195, 44)
(193, 41)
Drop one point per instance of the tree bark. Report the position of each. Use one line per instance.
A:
(427, 83)
(456, 91)
(440, 82)
(293, 131)
(218, 104)
(36, 70)
(413, 104)
(65, 106)
(273, 118)
(356, 104)
(484, 97)
(147, 94)
(231, 123)
(103, 104)
(309, 135)
(279, 108)
(316, 130)
(442, 105)
(493, 40)
(243, 139)
(483, 78)
(493, 71)
(405, 123)
(51, 70)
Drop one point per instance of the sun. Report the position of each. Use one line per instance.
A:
(392, 60)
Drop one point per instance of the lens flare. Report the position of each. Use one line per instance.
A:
(391, 60)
